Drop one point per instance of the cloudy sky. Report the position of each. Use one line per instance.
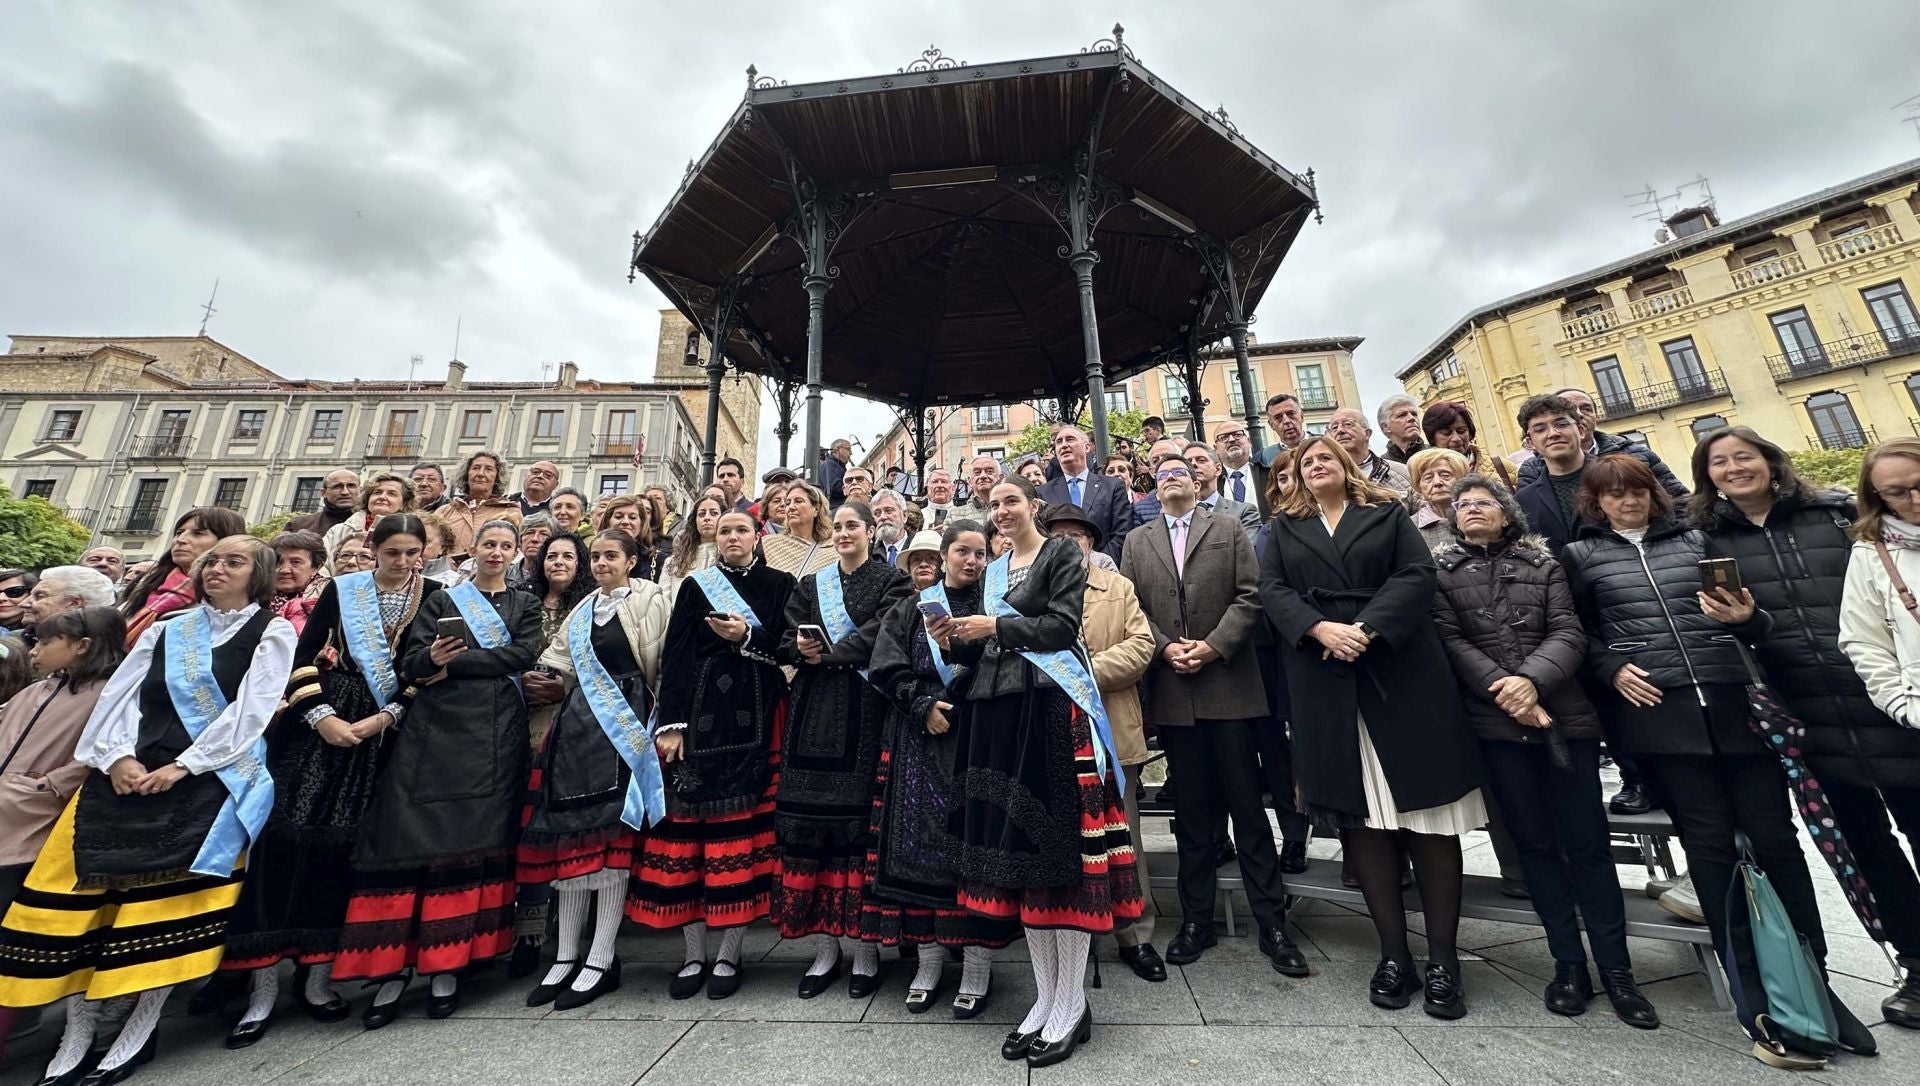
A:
(360, 176)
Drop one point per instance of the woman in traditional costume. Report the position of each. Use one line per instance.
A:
(132, 893)
(433, 861)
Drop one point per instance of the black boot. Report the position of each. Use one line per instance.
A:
(1902, 1008)
(1571, 989)
(1293, 857)
(1631, 799)
(1631, 1007)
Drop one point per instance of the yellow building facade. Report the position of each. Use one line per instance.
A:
(1799, 321)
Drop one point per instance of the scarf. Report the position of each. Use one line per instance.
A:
(1897, 533)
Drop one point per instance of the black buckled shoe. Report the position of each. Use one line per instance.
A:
(1902, 1008)
(1281, 951)
(1017, 1044)
(107, 1076)
(812, 984)
(1393, 985)
(1852, 1035)
(1145, 962)
(1446, 996)
(246, 1034)
(1631, 799)
(1193, 940)
(1293, 857)
(1045, 1054)
(605, 980)
(443, 1006)
(544, 993)
(688, 985)
(1631, 1007)
(1571, 989)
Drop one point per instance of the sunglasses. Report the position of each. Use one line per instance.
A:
(14, 592)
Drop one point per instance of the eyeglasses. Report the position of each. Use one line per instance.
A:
(231, 561)
(14, 592)
(1561, 424)
(1171, 473)
(1890, 493)
(1470, 504)
(1223, 435)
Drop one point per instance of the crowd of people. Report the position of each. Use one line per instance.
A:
(434, 724)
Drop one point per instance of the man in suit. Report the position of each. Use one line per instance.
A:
(1147, 509)
(1206, 482)
(1242, 477)
(1194, 573)
(1106, 499)
(832, 470)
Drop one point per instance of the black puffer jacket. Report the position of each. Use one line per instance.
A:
(1505, 609)
(1628, 622)
(1796, 567)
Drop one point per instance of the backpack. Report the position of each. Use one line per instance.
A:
(1778, 991)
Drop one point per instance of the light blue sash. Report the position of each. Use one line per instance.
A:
(646, 793)
(937, 593)
(198, 699)
(367, 640)
(724, 597)
(1067, 667)
(833, 606)
(484, 622)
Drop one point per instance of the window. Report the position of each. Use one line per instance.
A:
(547, 425)
(1913, 390)
(1174, 394)
(612, 484)
(306, 493)
(1707, 424)
(1683, 359)
(990, 417)
(249, 424)
(473, 425)
(144, 515)
(1235, 405)
(173, 424)
(1638, 437)
(618, 440)
(1588, 309)
(1310, 385)
(39, 488)
(326, 427)
(1893, 313)
(230, 494)
(1798, 343)
(1445, 370)
(63, 426)
(1834, 422)
(1611, 384)
(1116, 402)
(996, 451)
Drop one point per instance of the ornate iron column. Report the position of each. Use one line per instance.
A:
(1220, 267)
(723, 314)
(1190, 369)
(784, 394)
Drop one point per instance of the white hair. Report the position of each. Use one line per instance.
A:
(89, 586)
(885, 494)
(1387, 405)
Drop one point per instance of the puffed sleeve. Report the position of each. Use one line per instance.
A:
(113, 729)
(245, 719)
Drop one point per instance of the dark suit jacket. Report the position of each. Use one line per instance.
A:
(1215, 600)
(1108, 503)
(1256, 484)
(1543, 513)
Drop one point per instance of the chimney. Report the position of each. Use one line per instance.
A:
(569, 375)
(1691, 221)
(456, 375)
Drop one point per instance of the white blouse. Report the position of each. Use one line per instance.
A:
(113, 730)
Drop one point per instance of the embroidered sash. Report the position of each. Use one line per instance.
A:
(646, 792)
(366, 637)
(198, 700)
(833, 606)
(937, 593)
(724, 597)
(1067, 667)
(489, 631)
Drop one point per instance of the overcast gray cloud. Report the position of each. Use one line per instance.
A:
(362, 175)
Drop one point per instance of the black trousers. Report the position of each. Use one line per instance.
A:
(1862, 816)
(1559, 829)
(1214, 760)
(1714, 796)
(1270, 738)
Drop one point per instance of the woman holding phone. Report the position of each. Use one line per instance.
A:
(826, 782)
(433, 856)
(723, 702)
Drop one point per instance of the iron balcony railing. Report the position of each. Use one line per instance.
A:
(134, 520)
(1703, 386)
(618, 444)
(1317, 401)
(395, 446)
(1840, 354)
(1846, 437)
(82, 516)
(161, 447)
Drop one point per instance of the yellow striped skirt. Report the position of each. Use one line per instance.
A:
(57, 940)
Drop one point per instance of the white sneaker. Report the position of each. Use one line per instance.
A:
(1682, 902)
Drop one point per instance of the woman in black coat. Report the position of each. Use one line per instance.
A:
(1792, 544)
(1379, 743)
(1679, 697)
(1507, 619)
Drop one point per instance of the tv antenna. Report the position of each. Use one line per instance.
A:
(1912, 117)
(1660, 206)
(413, 367)
(456, 339)
(207, 311)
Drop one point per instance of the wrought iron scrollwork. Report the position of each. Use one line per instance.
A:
(1116, 44)
(756, 81)
(1220, 114)
(932, 60)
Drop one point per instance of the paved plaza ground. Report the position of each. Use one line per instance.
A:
(1226, 1019)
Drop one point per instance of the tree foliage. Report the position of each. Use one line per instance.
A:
(35, 534)
(270, 527)
(1829, 468)
(1038, 436)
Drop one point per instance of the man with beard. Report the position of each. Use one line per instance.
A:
(890, 525)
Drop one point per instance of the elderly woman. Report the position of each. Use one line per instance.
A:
(355, 554)
(299, 575)
(381, 495)
(479, 500)
(1506, 617)
(1449, 425)
(921, 559)
(1678, 699)
(1433, 471)
(806, 546)
(67, 588)
(535, 530)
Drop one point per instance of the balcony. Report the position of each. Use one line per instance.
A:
(1317, 400)
(1847, 437)
(161, 447)
(1767, 271)
(395, 446)
(134, 520)
(683, 469)
(1872, 240)
(1659, 397)
(1590, 324)
(1840, 354)
(82, 516)
(616, 444)
(1658, 305)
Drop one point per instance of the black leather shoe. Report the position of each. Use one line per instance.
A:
(544, 993)
(333, 1010)
(1902, 1008)
(246, 1034)
(101, 1076)
(722, 985)
(687, 985)
(524, 959)
(813, 984)
(1571, 989)
(72, 1077)
(1293, 857)
(1852, 1035)
(380, 1014)
(1446, 997)
(1393, 985)
(1281, 951)
(1631, 1007)
(862, 985)
(1187, 946)
(1017, 1044)
(604, 981)
(1223, 854)
(444, 1006)
(1145, 961)
(1043, 1054)
(1631, 799)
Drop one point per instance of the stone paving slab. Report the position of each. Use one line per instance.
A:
(1496, 1056)
(1255, 995)
(722, 1053)
(1245, 1056)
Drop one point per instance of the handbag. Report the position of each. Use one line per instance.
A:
(1778, 992)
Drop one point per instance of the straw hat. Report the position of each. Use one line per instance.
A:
(925, 540)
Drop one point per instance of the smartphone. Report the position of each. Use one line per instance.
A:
(454, 626)
(933, 610)
(1720, 573)
(719, 616)
(808, 629)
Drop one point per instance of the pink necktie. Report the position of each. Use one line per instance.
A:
(1180, 547)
